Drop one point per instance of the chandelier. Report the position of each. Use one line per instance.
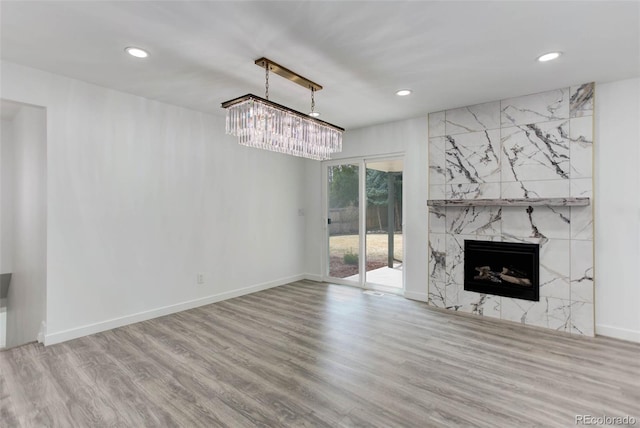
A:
(260, 123)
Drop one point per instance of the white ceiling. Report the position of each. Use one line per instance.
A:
(450, 53)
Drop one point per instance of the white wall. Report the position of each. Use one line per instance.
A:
(27, 203)
(314, 220)
(143, 195)
(6, 195)
(617, 209)
(410, 138)
(6, 216)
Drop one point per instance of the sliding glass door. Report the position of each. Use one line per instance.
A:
(364, 223)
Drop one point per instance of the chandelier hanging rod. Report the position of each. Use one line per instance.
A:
(243, 98)
(287, 74)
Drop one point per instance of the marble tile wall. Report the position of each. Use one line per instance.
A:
(534, 146)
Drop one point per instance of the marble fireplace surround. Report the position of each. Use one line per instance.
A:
(516, 170)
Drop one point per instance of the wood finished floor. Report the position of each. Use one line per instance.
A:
(309, 354)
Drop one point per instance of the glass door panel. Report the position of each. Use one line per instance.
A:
(384, 237)
(344, 222)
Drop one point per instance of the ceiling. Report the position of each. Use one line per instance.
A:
(450, 54)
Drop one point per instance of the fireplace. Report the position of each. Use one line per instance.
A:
(502, 268)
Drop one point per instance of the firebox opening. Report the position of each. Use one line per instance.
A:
(502, 268)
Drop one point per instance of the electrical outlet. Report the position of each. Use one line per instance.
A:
(200, 278)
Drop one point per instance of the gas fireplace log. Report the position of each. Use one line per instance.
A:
(511, 271)
(486, 274)
(507, 275)
(512, 279)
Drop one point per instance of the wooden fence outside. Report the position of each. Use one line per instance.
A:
(344, 221)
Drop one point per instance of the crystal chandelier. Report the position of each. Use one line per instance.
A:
(260, 123)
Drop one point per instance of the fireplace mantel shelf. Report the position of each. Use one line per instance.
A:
(512, 202)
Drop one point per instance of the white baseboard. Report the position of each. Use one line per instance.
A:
(74, 333)
(313, 277)
(618, 333)
(422, 297)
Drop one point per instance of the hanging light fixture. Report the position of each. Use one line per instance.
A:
(260, 123)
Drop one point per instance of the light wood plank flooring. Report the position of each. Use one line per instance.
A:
(309, 354)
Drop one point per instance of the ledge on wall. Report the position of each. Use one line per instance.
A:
(514, 202)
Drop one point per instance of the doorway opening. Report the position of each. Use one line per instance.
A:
(23, 223)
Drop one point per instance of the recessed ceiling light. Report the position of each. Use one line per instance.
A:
(549, 56)
(314, 114)
(137, 52)
(403, 92)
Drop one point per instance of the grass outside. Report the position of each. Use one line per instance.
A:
(376, 252)
(376, 245)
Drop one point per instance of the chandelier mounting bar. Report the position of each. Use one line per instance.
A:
(287, 74)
